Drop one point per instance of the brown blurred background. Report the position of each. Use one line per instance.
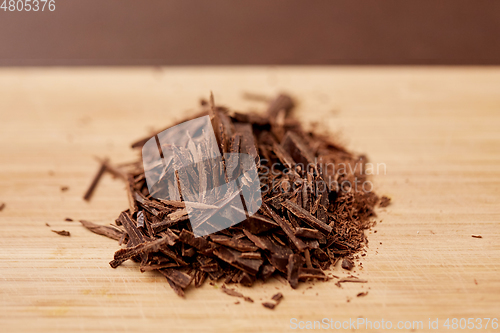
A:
(228, 32)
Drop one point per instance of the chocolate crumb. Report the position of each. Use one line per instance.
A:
(68, 219)
(347, 264)
(477, 236)
(277, 297)
(269, 305)
(62, 232)
(384, 201)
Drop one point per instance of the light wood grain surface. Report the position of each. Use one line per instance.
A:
(436, 129)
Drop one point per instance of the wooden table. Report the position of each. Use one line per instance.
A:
(437, 130)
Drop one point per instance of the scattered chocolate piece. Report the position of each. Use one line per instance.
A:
(477, 236)
(48, 225)
(384, 201)
(302, 228)
(68, 219)
(347, 264)
(269, 305)
(277, 297)
(64, 188)
(351, 279)
(62, 232)
(95, 181)
(234, 293)
(110, 232)
(2, 206)
(362, 294)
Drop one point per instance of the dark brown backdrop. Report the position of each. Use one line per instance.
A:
(216, 32)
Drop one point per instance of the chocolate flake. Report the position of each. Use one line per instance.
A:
(110, 232)
(234, 293)
(95, 181)
(62, 232)
(384, 201)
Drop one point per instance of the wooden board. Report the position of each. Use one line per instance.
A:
(435, 129)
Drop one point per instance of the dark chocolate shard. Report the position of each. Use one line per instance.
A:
(247, 141)
(234, 258)
(347, 264)
(307, 217)
(140, 249)
(199, 243)
(177, 289)
(311, 273)
(257, 224)
(308, 233)
(107, 231)
(295, 262)
(267, 271)
(243, 245)
(287, 228)
(135, 235)
(62, 232)
(351, 279)
(95, 181)
(282, 102)
(199, 278)
(234, 293)
(181, 279)
(295, 146)
(277, 297)
(246, 279)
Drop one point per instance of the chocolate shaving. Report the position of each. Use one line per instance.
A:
(384, 201)
(305, 224)
(95, 181)
(62, 232)
(234, 293)
(110, 232)
(307, 217)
